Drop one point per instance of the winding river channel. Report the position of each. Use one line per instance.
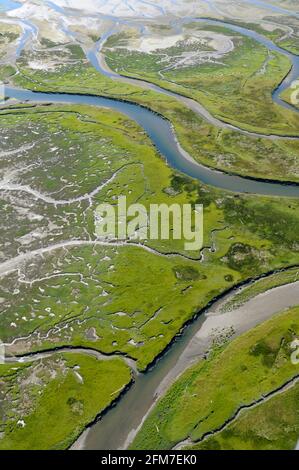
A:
(7, 5)
(118, 426)
(101, 66)
(163, 137)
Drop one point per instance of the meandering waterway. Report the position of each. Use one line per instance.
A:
(117, 428)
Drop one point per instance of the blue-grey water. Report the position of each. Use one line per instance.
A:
(293, 58)
(7, 5)
(273, 8)
(29, 31)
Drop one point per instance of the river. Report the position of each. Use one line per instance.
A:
(117, 427)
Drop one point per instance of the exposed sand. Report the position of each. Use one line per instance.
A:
(148, 44)
(217, 324)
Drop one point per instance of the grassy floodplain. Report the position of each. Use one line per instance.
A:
(240, 239)
(238, 374)
(270, 282)
(239, 84)
(218, 148)
(105, 304)
(48, 403)
(9, 35)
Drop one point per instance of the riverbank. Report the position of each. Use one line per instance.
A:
(212, 327)
(234, 378)
(161, 133)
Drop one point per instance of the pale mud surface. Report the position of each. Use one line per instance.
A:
(76, 24)
(8, 45)
(219, 327)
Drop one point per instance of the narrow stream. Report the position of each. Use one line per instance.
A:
(273, 8)
(294, 59)
(117, 427)
(292, 76)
